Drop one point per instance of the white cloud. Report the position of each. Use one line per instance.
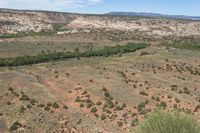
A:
(59, 5)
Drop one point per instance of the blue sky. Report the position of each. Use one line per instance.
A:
(176, 7)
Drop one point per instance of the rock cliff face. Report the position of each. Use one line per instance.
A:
(12, 21)
(151, 26)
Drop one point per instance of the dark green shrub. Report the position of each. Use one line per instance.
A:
(77, 99)
(15, 126)
(94, 110)
(55, 105)
(89, 105)
(24, 98)
(65, 107)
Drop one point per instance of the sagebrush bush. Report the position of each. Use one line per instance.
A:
(163, 122)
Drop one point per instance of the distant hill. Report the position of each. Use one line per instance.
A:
(14, 21)
(143, 14)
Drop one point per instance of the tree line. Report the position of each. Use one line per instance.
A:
(41, 58)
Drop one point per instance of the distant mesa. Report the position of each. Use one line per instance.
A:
(157, 15)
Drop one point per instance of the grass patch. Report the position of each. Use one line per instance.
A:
(24, 34)
(163, 122)
(106, 51)
(185, 46)
(184, 43)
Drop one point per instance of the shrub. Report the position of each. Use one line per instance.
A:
(22, 109)
(118, 107)
(55, 105)
(29, 106)
(98, 103)
(163, 122)
(49, 104)
(106, 94)
(77, 99)
(46, 108)
(10, 89)
(186, 90)
(123, 105)
(97, 116)
(197, 108)
(88, 100)
(119, 123)
(104, 89)
(103, 117)
(81, 105)
(24, 98)
(32, 102)
(142, 53)
(163, 104)
(65, 107)
(89, 105)
(15, 126)
(94, 110)
(177, 100)
(41, 105)
(108, 111)
(79, 121)
(143, 93)
(141, 105)
(169, 96)
(134, 122)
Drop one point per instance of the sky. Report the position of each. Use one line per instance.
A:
(172, 7)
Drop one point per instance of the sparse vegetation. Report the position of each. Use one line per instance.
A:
(185, 44)
(86, 82)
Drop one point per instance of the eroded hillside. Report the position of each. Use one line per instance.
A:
(13, 21)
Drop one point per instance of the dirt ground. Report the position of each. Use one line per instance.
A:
(98, 94)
